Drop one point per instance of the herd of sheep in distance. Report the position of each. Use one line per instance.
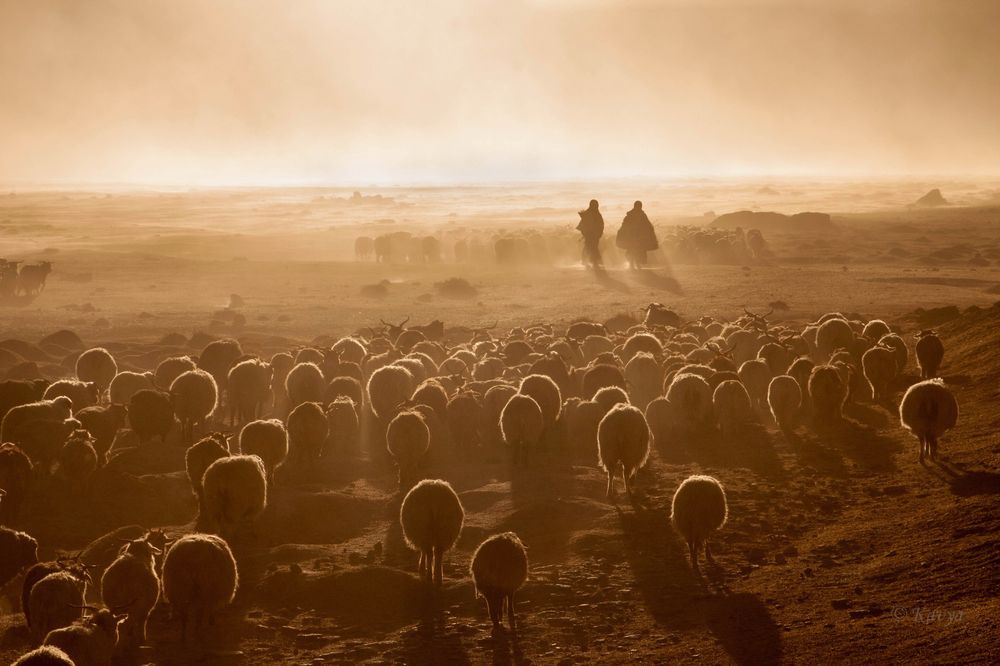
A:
(609, 391)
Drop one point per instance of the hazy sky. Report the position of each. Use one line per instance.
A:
(324, 91)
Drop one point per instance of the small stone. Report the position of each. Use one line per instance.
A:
(841, 604)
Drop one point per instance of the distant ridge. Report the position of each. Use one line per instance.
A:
(772, 221)
(932, 198)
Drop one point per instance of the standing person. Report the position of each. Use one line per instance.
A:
(636, 236)
(591, 226)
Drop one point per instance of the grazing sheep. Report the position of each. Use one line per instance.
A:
(833, 334)
(103, 422)
(346, 387)
(698, 510)
(14, 392)
(801, 368)
(343, 426)
(235, 492)
(645, 379)
(463, 417)
(875, 329)
(268, 440)
(582, 423)
(784, 397)
(928, 410)
(151, 414)
(281, 364)
(608, 397)
(898, 347)
(407, 440)
(195, 396)
(494, 400)
(126, 383)
(659, 418)
(622, 440)
(88, 641)
(56, 410)
(777, 356)
(217, 358)
(199, 580)
(641, 342)
(19, 550)
(521, 426)
(756, 376)
(499, 569)
(83, 394)
(249, 388)
(170, 369)
(431, 393)
(97, 365)
(77, 459)
(930, 353)
(731, 404)
(130, 585)
(599, 376)
(45, 655)
(55, 601)
(431, 517)
(305, 383)
(15, 475)
(879, 367)
(198, 458)
(690, 399)
(308, 429)
(350, 349)
(546, 393)
(827, 393)
(388, 388)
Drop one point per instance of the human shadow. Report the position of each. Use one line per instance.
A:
(604, 279)
(654, 280)
(745, 629)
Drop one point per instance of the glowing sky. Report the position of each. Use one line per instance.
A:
(321, 91)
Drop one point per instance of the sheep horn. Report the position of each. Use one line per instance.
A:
(403, 323)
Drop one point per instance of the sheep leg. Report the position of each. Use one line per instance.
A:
(708, 552)
(438, 554)
(693, 553)
(628, 482)
(494, 602)
(611, 483)
(923, 446)
(510, 611)
(932, 446)
(422, 564)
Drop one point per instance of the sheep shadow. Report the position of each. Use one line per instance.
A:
(506, 648)
(969, 483)
(812, 453)
(745, 629)
(751, 447)
(431, 642)
(863, 444)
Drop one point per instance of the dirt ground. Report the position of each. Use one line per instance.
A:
(839, 547)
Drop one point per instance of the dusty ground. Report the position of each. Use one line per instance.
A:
(840, 547)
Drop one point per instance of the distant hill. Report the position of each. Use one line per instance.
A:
(768, 221)
(932, 198)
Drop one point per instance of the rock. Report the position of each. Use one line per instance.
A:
(931, 199)
(841, 604)
(769, 221)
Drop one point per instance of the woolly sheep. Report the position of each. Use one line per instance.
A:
(499, 568)
(388, 388)
(77, 458)
(928, 410)
(431, 393)
(644, 377)
(88, 641)
(898, 347)
(659, 418)
(15, 475)
(343, 427)
(199, 458)
(879, 366)
(875, 329)
(756, 376)
(697, 511)
(521, 425)
(281, 364)
(546, 393)
(151, 414)
(582, 423)
(83, 394)
(235, 492)
(833, 334)
(97, 365)
(641, 342)
(305, 383)
(784, 397)
(431, 517)
(126, 383)
(827, 393)
(494, 400)
(170, 369)
(249, 387)
(19, 550)
(599, 376)
(55, 601)
(777, 356)
(800, 369)
(622, 440)
(199, 580)
(609, 396)
(195, 396)
(690, 401)
(217, 358)
(345, 387)
(731, 404)
(46, 655)
(103, 422)
(418, 371)
(930, 353)
(130, 585)
(268, 440)
(309, 355)
(350, 349)
(463, 417)
(308, 430)
(407, 440)
(58, 410)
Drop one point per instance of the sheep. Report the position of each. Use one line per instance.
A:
(350, 349)
(930, 353)
(235, 492)
(622, 440)
(546, 393)
(756, 376)
(97, 365)
(731, 404)
(199, 580)
(494, 400)
(103, 422)
(499, 568)
(407, 440)
(431, 393)
(309, 355)
(827, 393)
(195, 396)
(659, 419)
(898, 347)
(58, 410)
(170, 369)
(249, 387)
(19, 550)
(217, 358)
(199, 458)
(46, 655)
(784, 397)
(928, 410)
(83, 394)
(281, 364)
(431, 517)
(875, 329)
(777, 356)
(833, 334)
(15, 475)
(126, 383)
(582, 421)
(599, 376)
(268, 440)
(343, 427)
(800, 369)
(308, 429)
(644, 376)
(55, 601)
(151, 414)
(77, 458)
(345, 387)
(521, 426)
(305, 383)
(641, 342)
(609, 396)
(14, 392)
(388, 388)
(690, 401)
(89, 641)
(463, 417)
(879, 366)
(419, 372)
(697, 511)
(130, 585)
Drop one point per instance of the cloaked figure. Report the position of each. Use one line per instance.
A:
(636, 236)
(591, 226)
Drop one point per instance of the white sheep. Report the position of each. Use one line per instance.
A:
(784, 398)
(127, 383)
(268, 440)
(879, 367)
(235, 492)
(928, 410)
(698, 510)
(431, 517)
(690, 399)
(499, 569)
(249, 389)
(521, 426)
(305, 383)
(194, 395)
(622, 441)
(388, 388)
(97, 365)
(407, 440)
(90, 641)
(731, 404)
(56, 601)
(199, 580)
(930, 353)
